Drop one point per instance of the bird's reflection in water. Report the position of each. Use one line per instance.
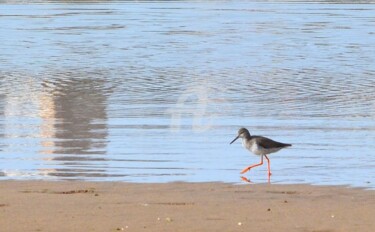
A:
(245, 179)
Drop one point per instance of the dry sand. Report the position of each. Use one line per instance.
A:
(88, 206)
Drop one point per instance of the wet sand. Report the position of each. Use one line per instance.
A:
(113, 206)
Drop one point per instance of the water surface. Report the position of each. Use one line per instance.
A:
(155, 91)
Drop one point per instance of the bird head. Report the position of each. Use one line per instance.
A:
(242, 133)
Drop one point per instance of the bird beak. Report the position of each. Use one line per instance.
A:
(235, 139)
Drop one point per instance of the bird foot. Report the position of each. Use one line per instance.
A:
(245, 170)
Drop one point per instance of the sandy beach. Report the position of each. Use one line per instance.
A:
(113, 206)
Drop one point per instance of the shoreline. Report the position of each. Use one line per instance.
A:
(181, 206)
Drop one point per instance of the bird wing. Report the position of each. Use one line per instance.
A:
(269, 143)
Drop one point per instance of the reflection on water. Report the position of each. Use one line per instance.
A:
(2, 103)
(155, 91)
(61, 119)
(74, 120)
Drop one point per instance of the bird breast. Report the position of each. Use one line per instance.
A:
(252, 146)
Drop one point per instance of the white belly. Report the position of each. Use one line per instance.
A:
(258, 150)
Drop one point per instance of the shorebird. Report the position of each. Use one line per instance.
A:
(259, 145)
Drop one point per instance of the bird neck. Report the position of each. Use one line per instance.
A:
(246, 136)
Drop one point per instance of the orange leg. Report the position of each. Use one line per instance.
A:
(269, 166)
(250, 167)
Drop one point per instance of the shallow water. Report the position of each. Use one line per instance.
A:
(155, 91)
